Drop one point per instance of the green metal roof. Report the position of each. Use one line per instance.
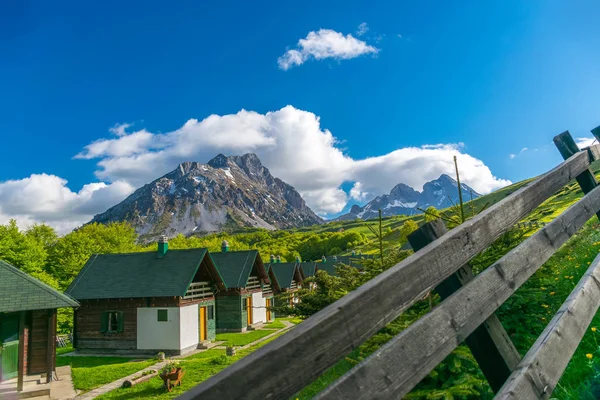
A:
(346, 260)
(21, 292)
(328, 266)
(235, 266)
(134, 275)
(308, 268)
(284, 274)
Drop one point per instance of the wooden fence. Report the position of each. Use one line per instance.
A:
(281, 368)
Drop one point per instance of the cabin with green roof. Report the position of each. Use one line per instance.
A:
(27, 325)
(327, 266)
(308, 268)
(146, 302)
(243, 304)
(286, 278)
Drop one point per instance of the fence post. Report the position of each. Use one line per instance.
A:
(489, 343)
(567, 147)
(596, 133)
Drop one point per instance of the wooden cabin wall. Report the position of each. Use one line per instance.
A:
(89, 322)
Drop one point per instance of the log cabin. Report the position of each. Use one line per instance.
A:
(27, 325)
(244, 303)
(146, 302)
(286, 278)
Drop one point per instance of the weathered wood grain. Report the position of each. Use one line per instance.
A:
(489, 343)
(567, 147)
(303, 354)
(541, 368)
(593, 151)
(394, 369)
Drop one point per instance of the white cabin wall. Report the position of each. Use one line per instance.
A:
(259, 304)
(158, 335)
(189, 332)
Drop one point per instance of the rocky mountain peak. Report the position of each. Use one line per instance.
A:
(403, 199)
(404, 192)
(220, 161)
(227, 193)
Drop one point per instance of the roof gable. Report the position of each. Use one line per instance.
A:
(134, 275)
(21, 292)
(327, 266)
(235, 267)
(284, 274)
(308, 268)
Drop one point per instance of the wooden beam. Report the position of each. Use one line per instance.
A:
(50, 349)
(394, 369)
(21, 356)
(300, 356)
(567, 148)
(543, 365)
(593, 151)
(489, 343)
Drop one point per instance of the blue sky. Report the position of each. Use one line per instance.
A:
(497, 76)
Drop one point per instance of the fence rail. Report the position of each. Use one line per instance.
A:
(300, 356)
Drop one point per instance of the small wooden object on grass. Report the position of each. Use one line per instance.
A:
(171, 375)
(140, 378)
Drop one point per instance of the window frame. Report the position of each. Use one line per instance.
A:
(164, 312)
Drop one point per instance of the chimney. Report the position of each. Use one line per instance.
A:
(323, 259)
(163, 245)
(225, 246)
(278, 259)
(272, 259)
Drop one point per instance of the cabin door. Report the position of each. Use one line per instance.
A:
(268, 305)
(249, 309)
(202, 323)
(9, 348)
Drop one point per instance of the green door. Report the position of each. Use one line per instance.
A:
(9, 347)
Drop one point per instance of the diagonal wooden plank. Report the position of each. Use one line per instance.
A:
(489, 343)
(541, 368)
(302, 355)
(394, 369)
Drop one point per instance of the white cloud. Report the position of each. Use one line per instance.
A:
(294, 146)
(290, 142)
(46, 198)
(325, 43)
(585, 141)
(119, 129)
(512, 156)
(362, 29)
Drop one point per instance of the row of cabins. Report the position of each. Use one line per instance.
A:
(177, 300)
(172, 301)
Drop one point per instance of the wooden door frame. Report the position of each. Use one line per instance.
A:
(249, 314)
(202, 323)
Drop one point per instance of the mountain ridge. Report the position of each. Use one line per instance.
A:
(403, 199)
(227, 193)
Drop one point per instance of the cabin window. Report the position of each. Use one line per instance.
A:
(112, 322)
(211, 312)
(163, 315)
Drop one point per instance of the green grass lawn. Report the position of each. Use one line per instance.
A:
(293, 320)
(277, 324)
(64, 350)
(90, 372)
(241, 338)
(198, 368)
